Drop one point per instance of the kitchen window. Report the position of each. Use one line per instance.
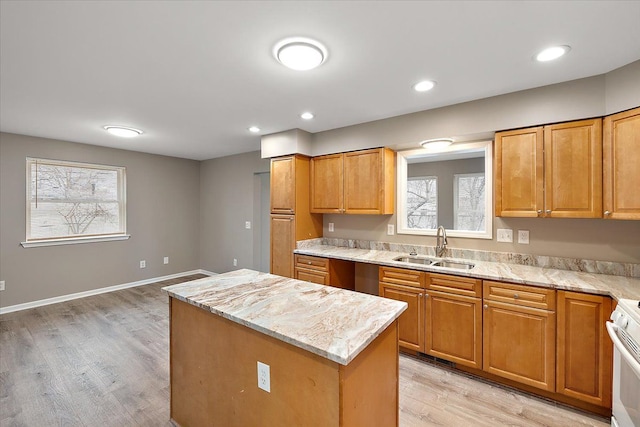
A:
(422, 202)
(469, 201)
(69, 202)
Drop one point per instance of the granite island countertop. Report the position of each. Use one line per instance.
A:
(618, 287)
(334, 323)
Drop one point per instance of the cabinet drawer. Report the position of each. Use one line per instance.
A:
(312, 263)
(401, 276)
(526, 296)
(454, 284)
(312, 276)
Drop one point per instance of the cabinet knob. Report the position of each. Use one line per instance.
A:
(539, 211)
(548, 211)
(516, 296)
(419, 295)
(607, 213)
(486, 306)
(309, 262)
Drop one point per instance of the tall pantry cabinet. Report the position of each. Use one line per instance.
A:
(290, 217)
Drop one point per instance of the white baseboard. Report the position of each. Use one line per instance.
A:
(69, 297)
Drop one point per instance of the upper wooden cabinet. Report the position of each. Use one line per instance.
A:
(621, 165)
(551, 171)
(289, 183)
(358, 182)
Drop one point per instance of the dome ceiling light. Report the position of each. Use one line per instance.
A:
(551, 53)
(300, 54)
(123, 132)
(438, 143)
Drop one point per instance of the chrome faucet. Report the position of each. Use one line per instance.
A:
(441, 241)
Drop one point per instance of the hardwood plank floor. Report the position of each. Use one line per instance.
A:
(104, 361)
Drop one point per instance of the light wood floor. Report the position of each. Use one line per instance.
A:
(103, 361)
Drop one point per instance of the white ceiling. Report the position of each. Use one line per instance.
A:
(195, 75)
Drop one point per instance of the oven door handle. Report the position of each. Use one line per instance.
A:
(633, 363)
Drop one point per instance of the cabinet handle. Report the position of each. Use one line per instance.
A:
(548, 211)
(515, 296)
(486, 306)
(607, 213)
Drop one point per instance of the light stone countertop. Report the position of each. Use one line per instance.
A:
(618, 287)
(334, 323)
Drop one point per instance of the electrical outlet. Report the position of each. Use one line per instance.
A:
(331, 228)
(523, 237)
(247, 225)
(2, 285)
(166, 260)
(505, 235)
(264, 377)
(235, 262)
(391, 230)
(143, 264)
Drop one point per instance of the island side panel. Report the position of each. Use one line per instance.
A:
(214, 376)
(369, 384)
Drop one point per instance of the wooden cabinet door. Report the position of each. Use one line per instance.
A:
(621, 165)
(453, 326)
(519, 176)
(411, 322)
(327, 184)
(365, 182)
(573, 169)
(282, 244)
(283, 194)
(519, 343)
(585, 352)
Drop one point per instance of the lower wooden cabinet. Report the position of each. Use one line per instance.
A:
(519, 341)
(325, 271)
(584, 361)
(283, 242)
(406, 286)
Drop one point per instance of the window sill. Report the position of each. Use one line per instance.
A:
(73, 241)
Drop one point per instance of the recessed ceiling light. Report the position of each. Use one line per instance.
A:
(551, 53)
(436, 143)
(254, 129)
(122, 131)
(300, 53)
(424, 85)
(307, 115)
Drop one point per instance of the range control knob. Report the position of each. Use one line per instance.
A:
(620, 319)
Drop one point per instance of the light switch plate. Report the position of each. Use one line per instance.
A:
(331, 228)
(391, 230)
(505, 235)
(523, 237)
(1, 285)
(247, 225)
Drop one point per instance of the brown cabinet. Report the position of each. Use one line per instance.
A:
(552, 171)
(621, 165)
(324, 271)
(519, 333)
(407, 286)
(453, 319)
(358, 182)
(584, 361)
(290, 217)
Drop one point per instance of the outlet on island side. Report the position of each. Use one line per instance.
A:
(264, 377)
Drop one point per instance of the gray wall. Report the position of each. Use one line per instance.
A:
(227, 200)
(162, 218)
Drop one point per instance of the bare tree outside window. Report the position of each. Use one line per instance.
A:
(68, 199)
(422, 202)
(469, 201)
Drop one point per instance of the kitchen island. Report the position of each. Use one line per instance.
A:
(332, 354)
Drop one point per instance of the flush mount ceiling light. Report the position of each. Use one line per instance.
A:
(300, 53)
(551, 53)
(307, 115)
(436, 143)
(254, 129)
(424, 86)
(122, 131)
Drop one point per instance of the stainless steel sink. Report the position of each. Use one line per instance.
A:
(415, 260)
(453, 264)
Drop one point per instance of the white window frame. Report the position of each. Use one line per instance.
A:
(75, 239)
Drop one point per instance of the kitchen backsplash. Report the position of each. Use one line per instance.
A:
(571, 264)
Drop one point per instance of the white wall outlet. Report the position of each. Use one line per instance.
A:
(331, 228)
(143, 264)
(247, 225)
(2, 285)
(235, 262)
(391, 229)
(523, 237)
(166, 260)
(505, 235)
(264, 377)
